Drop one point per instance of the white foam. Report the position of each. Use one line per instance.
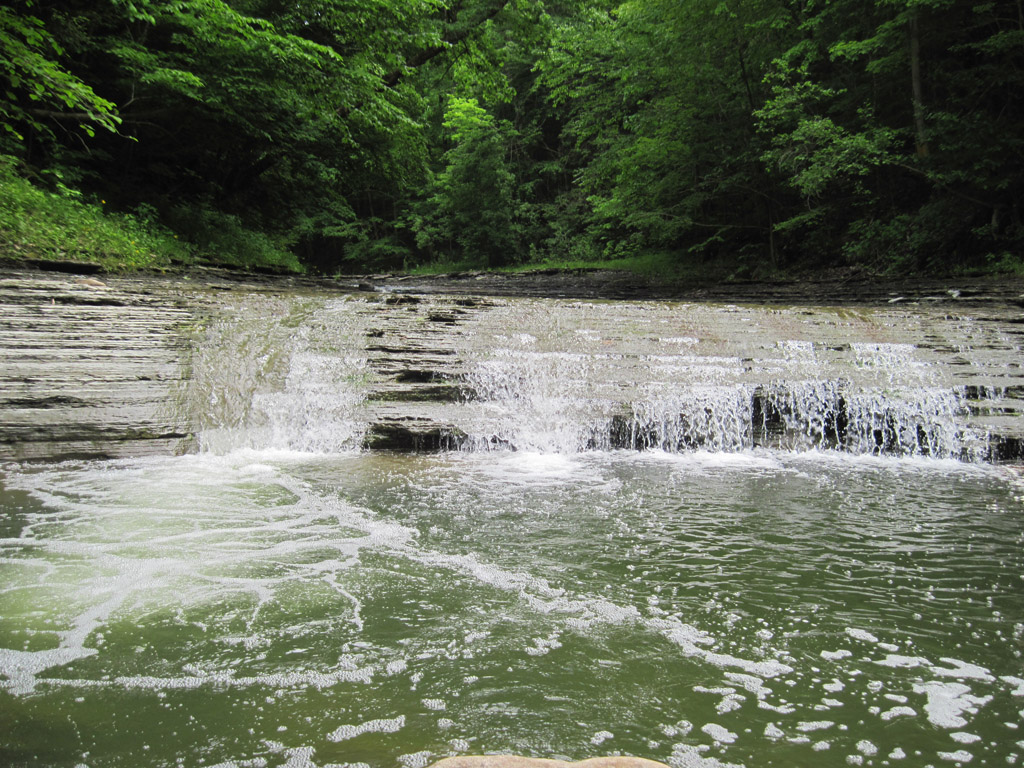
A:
(729, 703)
(299, 757)
(346, 732)
(416, 759)
(720, 734)
(842, 653)
(601, 736)
(895, 712)
(544, 645)
(947, 702)
(782, 709)
(867, 748)
(750, 683)
(960, 756)
(814, 725)
(689, 756)
(860, 634)
(690, 640)
(964, 738)
(535, 467)
(709, 460)
(21, 667)
(903, 662)
(963, 671)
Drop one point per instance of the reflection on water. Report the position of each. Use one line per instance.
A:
(748, 608)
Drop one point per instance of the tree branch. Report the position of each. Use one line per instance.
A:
(452, 38)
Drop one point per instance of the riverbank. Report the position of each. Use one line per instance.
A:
(833, 287)
(61, 232)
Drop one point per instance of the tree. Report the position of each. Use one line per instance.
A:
(37, 85)
(899, 123)
(473, 197)
(659, 97)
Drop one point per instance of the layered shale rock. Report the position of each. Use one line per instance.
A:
(90, 368)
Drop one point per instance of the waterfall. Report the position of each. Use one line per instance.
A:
(330, 375)
(284, 375)
(731, 388)
(833, 414)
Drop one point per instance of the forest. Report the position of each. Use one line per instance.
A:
(751, 137)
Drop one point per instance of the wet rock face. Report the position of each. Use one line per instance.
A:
(90, 369)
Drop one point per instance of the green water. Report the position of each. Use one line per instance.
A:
(755, 609)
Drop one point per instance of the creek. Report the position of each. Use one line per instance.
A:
(401, 526)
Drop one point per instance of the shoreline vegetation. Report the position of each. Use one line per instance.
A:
(59, 229)
(701, 140)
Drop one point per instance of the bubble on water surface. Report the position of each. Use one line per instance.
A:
(965, 738)
(814, 725)
(720, 734)
(416, 759)
(689, 756)
(959, 756)
(861, 634)
(948, 702)
(384, 725)
(839, 655)
(895, 712)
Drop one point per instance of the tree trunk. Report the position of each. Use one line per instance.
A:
(915, 79)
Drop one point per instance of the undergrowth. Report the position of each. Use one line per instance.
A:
(50, 221)
(62, 225)
(661, 265)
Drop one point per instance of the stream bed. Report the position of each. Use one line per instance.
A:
(405, 527)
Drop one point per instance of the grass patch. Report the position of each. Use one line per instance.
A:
(62, 226)
(222, 239)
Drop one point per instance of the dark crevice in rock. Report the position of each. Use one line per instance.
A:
(411, 435)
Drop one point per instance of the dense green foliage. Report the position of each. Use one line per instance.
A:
(358, 135)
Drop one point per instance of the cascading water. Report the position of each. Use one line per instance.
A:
(281, 374)
(328, 376)
(732, 388)
(723, 598)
